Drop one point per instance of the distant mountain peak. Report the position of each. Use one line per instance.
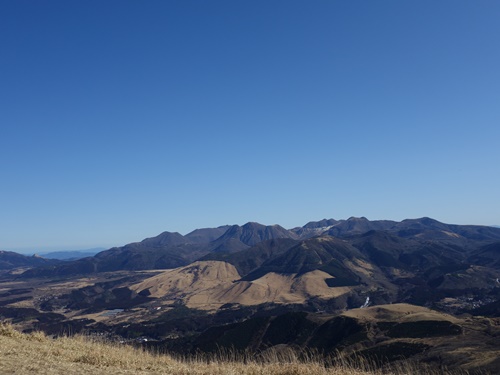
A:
(423, 220)
(320, 224)
(354, 218)
(253, 224)
(165, 238)
(252, 233)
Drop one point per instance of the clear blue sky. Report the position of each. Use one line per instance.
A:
(122, 119)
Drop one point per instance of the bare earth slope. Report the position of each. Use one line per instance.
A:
(210, 284)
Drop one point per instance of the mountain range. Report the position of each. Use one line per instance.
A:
(357, 284)
(171, 249)
(331, 264)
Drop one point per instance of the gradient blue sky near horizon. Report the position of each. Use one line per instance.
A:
(123, 119)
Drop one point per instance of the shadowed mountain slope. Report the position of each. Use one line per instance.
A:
(389, 250)
(320, 253)
(432, 230)
(206, 235)
(250, 259)
(488, 255)
(252, 233)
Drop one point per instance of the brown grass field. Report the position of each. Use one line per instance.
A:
(208, 285)
(36, 353)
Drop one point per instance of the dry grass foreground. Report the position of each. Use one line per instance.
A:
(37, 354)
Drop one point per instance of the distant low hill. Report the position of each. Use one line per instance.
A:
(10, 260)
(71, 254)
